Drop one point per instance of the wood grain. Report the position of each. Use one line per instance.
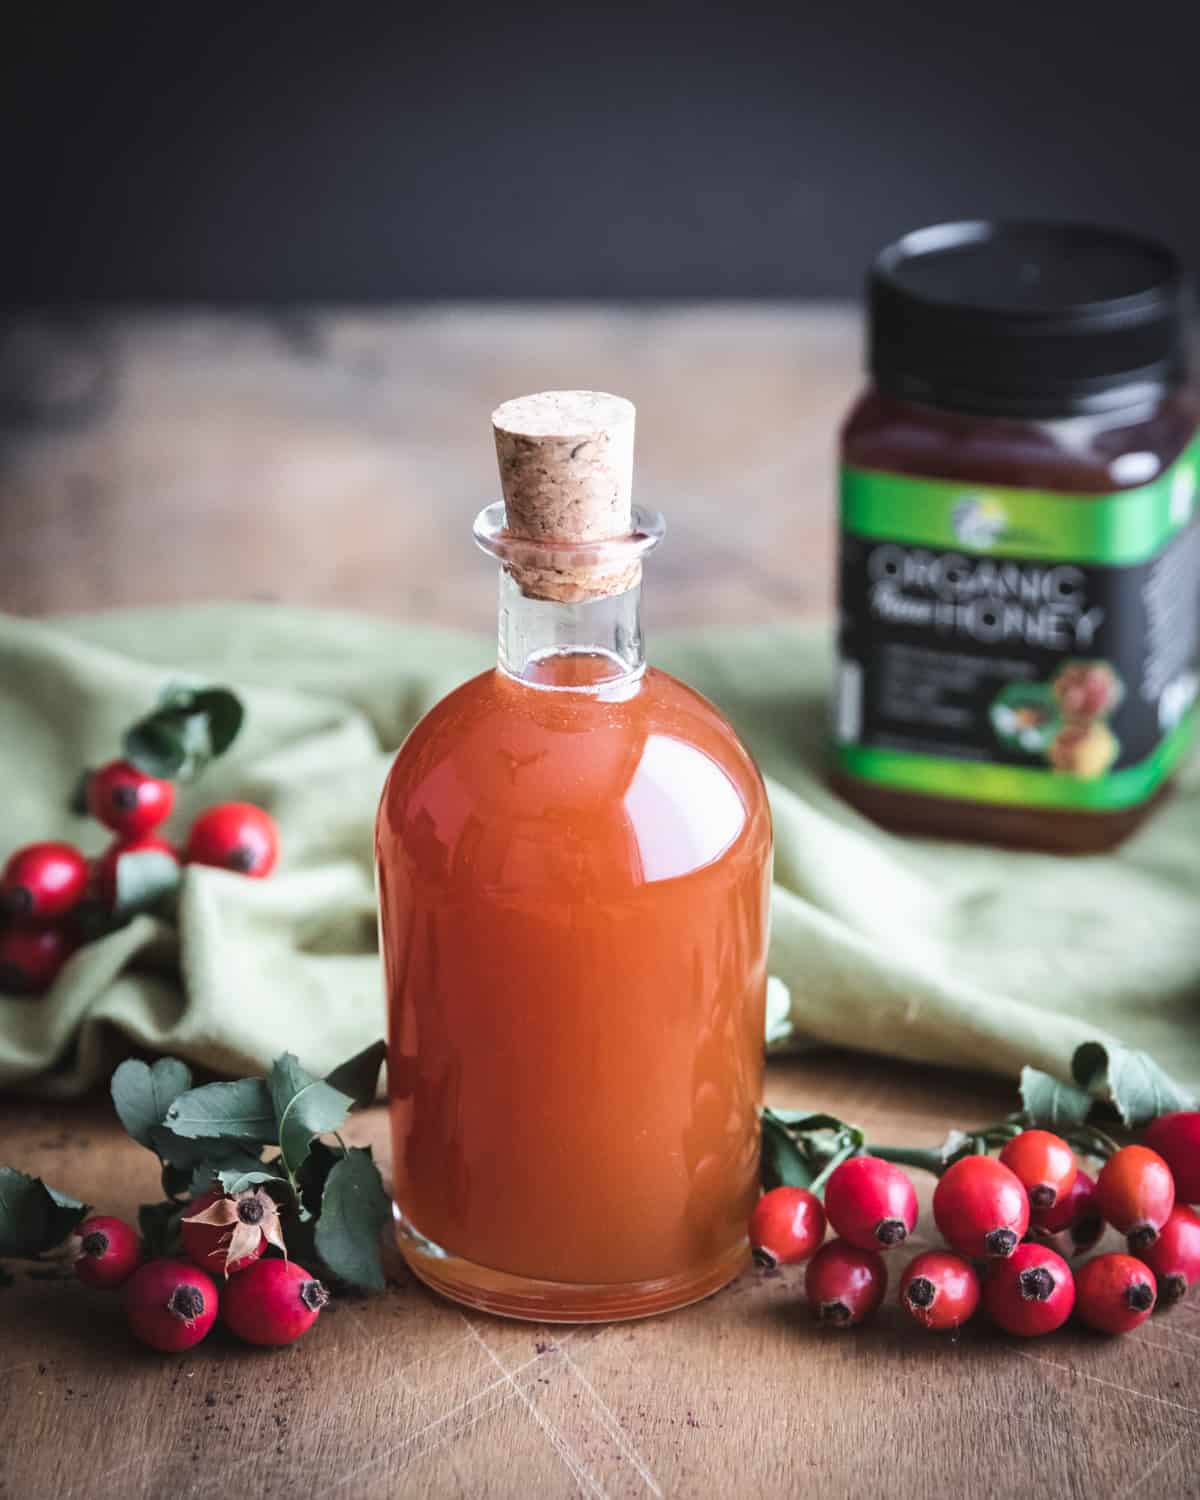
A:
(338, 459)
(403, 1395)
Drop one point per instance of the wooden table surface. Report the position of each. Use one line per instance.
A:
(338, 459)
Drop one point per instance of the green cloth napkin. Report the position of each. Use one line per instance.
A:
(966, 956)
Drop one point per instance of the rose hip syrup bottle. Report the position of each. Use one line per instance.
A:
(574, 857)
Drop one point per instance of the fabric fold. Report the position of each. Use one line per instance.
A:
(960, 955)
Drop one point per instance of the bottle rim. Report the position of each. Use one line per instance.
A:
(492, 536)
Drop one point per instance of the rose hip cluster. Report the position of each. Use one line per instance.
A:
(172, 1303)
(44, 886)
(1009, 1224)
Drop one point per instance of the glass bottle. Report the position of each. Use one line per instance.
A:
(574, 856)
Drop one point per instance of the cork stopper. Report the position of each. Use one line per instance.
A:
(566, 470)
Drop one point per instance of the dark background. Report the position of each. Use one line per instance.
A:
(243, 152)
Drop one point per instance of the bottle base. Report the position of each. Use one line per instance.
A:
(534, 1301)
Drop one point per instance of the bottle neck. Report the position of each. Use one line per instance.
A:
(576, 647)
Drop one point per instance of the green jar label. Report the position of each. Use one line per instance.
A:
(1018, 646)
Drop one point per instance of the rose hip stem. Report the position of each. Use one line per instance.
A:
(1087, 1140)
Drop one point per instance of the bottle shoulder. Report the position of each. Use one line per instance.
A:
(659, 772)
(493, 709)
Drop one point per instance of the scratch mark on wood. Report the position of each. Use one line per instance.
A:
(495, 1385)
(1170, 1348)
(1173, 1327)
(97, 1483)
(423, 1390)
(566, 1453)
(412, 1364)
(623, 1440)
(407, 1442)
(1128, 1390)
(1158, 1462)
(502, 1400)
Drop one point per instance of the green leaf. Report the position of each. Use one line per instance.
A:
(359, 1077)
(225, 715)
(179, 1151)
(782, 1164)
(91, 919)
(235, 1181)
(354, 1210)
(156, 746)
(957, 1144)
(202, 1177)
(33, 1217)
(844, 1152)
(240, 1110)
(178, 693)
(304, 1107)
(192, 1166)
(1131, 1081)
(143, 878)
(190, 727)
(175, 1151)
(64, 1200)
(314, 1174)
(176, 1181)
(800, 1119)
(159, 1226)
(301, 1235)
(1052, 1105)
(142, 1094)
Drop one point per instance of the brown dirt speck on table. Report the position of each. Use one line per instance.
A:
(404, 1394)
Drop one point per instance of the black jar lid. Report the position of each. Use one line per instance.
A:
(1027, 319)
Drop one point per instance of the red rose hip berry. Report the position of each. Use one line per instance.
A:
(226, 1233)
(30, 958)
(1030, 1293)
(1137, 1194)
(1175, 1255)
(1176, 1138)
(940, 1289)
(1044, 1163)
(235, 836)
(1076, 1214)
(786, 1227)
(127, 800)
(981, 1207)
(1114, 1293)
(272, 1303)
(109, 1252)
(870, 1203)
(844, 1284)
(170, 1304)
(43, 881)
